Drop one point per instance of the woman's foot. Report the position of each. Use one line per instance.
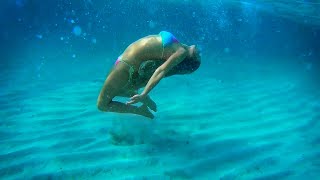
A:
(150, 103)
(144, 111)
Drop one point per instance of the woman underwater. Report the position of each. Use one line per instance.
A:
(143, 64)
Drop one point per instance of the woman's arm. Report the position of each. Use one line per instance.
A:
(160, 72)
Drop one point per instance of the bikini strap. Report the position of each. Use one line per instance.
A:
(162, 51)
(131, 69)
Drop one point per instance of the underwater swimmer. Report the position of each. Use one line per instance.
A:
(143, 64)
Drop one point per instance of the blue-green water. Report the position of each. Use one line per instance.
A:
(251, 111)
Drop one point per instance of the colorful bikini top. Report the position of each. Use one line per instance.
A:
(167, 39)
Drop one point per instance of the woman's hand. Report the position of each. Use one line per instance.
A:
(136, 98)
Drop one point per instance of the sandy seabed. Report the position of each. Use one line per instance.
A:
(211, 129)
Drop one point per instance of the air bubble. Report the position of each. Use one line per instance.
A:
(152, 24)
(94, 40)
(39, 36)
(77, 30)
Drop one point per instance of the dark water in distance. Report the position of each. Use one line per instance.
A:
(41, 35)
(247, 29)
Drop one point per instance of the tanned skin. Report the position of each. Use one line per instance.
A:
(144, 49)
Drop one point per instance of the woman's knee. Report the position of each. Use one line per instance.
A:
(103, 104)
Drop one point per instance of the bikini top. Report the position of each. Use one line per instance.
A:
(167, 39)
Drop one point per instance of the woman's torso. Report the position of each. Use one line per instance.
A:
(147, 48)
(152, 47)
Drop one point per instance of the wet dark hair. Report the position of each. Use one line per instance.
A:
(187, 66)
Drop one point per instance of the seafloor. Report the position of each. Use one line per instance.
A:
(238, 121)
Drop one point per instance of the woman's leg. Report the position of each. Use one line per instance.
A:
(113, 85)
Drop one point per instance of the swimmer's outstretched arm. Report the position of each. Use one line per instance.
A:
(160, 72)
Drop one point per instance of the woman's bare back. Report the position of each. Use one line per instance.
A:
(147, 48)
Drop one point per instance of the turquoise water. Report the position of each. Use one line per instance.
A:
(251, 111)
